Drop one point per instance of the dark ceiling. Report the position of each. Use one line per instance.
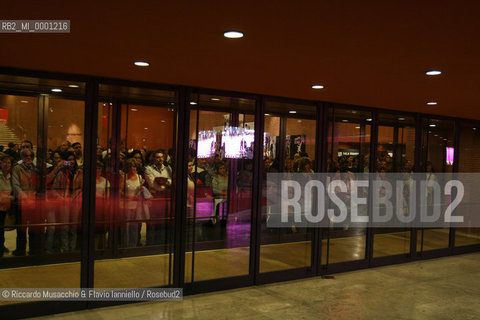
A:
(370, 53)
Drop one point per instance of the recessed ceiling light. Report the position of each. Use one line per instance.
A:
(299, 121)
(267, 114)
(292, 111)
(24, 101)
(435, 135)
(369, 119)
(215, 99)
(317, 86)
(432, 103)
(141, 63)
(233, 34)
(145, 128)
(344, 120)
(193, 103)
(73, 85)
(56, 90)
(357, 127)
(401, 119)
(433, 125)
(162, 120)
(433, 72)
(134, 109)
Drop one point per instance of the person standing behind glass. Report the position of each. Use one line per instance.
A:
(220, 188)
(5, 198)
(159, 179)
(131, 193)
(145, 208)
(56, 183)
(25, 182)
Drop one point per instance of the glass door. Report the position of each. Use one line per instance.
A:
(395, 161)
(134, 219)
(437, 166)
(220, 180)
(349, 134)
(289, 147)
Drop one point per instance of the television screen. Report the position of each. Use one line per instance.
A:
(207, 143)
(237, 142)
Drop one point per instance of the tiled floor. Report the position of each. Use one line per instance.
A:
(445, 288)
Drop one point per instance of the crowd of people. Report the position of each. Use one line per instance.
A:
(46, 210)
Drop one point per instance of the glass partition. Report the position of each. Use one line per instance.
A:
(134, 220)
(220, 180)
(438, 138)
(289, 146)
(469, 156)
(41, 179)
(395, 156)
(349, 134)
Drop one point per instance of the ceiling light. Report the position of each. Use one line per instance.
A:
(141, 63)
(433, 125)
(162, 121)
(134, 109)
(299, 121)
(344, 120)
(432, 103)
(24, 101)
(401, 119)
(267, 114)
(357, 127)
(292, 111)
(233, 34)
(433, 72)
(317, 86)
(369, 119)
(56, 90)
(215, 99)
(145, 128)
(193, 103)
(73, 86)
(435, 135)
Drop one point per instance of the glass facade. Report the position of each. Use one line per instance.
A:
(110, 184)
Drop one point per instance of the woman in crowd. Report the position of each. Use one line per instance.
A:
(102, 192)
(131, 192)
(5, 197)
(220, 188)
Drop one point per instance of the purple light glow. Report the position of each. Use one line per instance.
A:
(450, 155)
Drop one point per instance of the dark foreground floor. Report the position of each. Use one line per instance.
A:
(445, 288)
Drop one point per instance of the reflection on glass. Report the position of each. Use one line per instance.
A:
(289, 146)
(348, 155)
(219, 197)
(395, 154)
(437, 137)
(40, 191)
(468, 162)
(134, 179)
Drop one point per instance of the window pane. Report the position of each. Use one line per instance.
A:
(290, 132)
(220, 178)
(348, 154)
(395, 154)
(41, 200)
